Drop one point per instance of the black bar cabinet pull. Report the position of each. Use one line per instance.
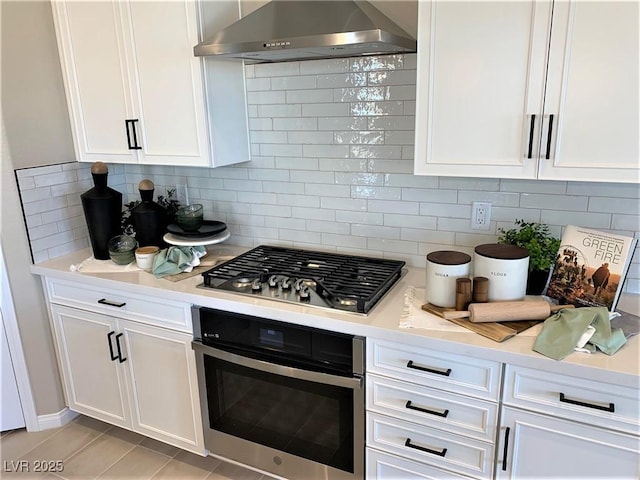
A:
(109, 335)
(549, 133)
(531, 128)
(610, 408)
(104, 301)
(426, 410)
(120, 357)
(130, 127)
(446, 372)
(440, 453)
(506, 449)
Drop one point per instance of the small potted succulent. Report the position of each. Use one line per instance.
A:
(542, 247)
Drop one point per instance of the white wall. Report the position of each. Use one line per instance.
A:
(35, 131)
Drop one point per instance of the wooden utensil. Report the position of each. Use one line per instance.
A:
(507, 311)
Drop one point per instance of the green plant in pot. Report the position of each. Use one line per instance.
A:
(542, 247)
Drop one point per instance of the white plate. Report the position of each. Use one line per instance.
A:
(174, 239)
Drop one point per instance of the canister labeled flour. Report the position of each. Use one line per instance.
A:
(506, 267)
(443, 268)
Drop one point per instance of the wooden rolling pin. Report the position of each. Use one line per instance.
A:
(506, 311)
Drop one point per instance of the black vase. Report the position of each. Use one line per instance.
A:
(102, 207)
(149, 219)
(536, 281)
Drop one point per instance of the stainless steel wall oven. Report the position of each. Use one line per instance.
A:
(284, 398)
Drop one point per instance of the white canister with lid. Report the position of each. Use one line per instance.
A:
(506, 267)
(443, 268)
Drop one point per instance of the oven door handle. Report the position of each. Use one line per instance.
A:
(354, 383)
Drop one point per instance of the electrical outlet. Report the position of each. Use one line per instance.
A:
(480, 216)
(182, 195)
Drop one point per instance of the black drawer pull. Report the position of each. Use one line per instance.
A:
(446, 372)
(111, 303)
(426, 410)
(109, 335)
(610, 408)
(506, 449)
(440, 453)
(549, 136)
(130, 126)
(120, 357)
(531, 128)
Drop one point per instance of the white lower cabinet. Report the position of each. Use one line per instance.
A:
(130, 374)
(430, 414)
(559, 426)
(540, 446)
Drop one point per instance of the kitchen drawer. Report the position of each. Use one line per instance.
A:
(382, 466)
(433, 408)
(445, 371)
(434, 447)
(587, 401)
(121, 304)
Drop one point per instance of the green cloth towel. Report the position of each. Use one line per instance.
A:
(561, 332)
(173, 260)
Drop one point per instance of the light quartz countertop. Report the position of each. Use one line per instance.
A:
(383, 322)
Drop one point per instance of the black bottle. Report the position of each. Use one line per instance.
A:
(102, 207)
(149, 219)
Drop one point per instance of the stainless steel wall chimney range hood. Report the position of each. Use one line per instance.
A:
(288, 30)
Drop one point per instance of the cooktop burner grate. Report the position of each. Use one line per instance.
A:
(344, 282)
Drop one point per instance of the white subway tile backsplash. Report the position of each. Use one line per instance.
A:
(326, 110)
(554, 202)
(332, 144)
(622, 190)
(321, 67)
(314, 138)
(430, 195)
(614, 205)
(373, 192)
(295, 123)
(325, 190)
(391, 206)
(328, 227)
(630, 223)
(309, 96)
(293, 83)
(355, 216)
(560, 217)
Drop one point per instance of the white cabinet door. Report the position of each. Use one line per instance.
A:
(134, 88)
(93, 378)
(96, 79)
(168, 90)
(480, 79)
(538, 446)
(528, 89)
(163, 385)
(592, 92)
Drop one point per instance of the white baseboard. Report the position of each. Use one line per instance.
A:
(55, 420)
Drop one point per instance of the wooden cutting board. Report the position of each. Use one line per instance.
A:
(497, 331)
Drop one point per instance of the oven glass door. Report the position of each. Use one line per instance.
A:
(310, 419)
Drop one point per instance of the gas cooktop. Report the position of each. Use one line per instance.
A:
(321, 279)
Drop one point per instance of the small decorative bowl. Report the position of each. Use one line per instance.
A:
(190, 218)
(122, 249)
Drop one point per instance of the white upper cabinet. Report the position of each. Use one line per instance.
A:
(136, 92)
(529, 89)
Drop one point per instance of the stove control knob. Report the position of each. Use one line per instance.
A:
(299, 284)
(256, 285)
(305, 292)
(273, 281)
(286, 283)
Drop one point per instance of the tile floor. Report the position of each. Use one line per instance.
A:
(90, 449)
